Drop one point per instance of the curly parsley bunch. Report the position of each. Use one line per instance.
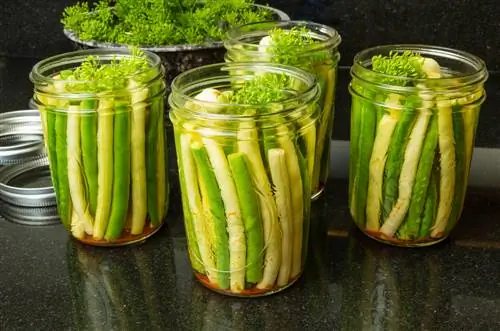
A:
(159, 22)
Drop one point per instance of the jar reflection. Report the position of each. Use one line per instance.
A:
(116, 291)
(389, 290)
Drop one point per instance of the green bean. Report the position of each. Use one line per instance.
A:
(121, 172)
(408, 173)
(163, 189)
(385, 128)
(235, 226)
(210, 189)
(251, 215)
(430, 207)
(50, 141)
(62, 167)
(447, 168)
(353, 154)
(281, 181)
(196, 223)
(139, 197)
(151, 164)
(420, 189)
(105, 158)
(460, 165)
(306, 184)
(193, 249)
(363, 113)
(395, 158)
(292, 162)
(327, 79)
(471, 114)
(76, 184)
(77, 227)
(88, 122)
(248, 143)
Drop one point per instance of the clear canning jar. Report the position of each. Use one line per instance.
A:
(312, 47)
(106, 145)
(412, 141)
(245, 172)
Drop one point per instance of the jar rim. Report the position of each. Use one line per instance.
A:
(331, 37)
(184, 82)
(363, 59)
(37, 75)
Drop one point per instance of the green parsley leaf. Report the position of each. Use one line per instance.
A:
(262, 90)
(291, 46)
(406, 64)
(159, 22)
(94, 77)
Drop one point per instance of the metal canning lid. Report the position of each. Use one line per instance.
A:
(26, 192)
(19, 117)
(21, 136)
(27, 184)
(29, 215)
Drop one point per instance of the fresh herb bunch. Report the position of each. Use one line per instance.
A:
(98, 77)
(262, 90)
(289, 46)
(159, 22)
(406, 64)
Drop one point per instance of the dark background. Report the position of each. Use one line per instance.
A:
(31, 28)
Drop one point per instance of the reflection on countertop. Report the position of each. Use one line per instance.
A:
(351, 282)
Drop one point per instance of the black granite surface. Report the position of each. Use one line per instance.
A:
(50, 282)
(32, 28)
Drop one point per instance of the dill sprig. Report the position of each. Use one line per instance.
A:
(93, 76)
(288, 46)
(399, 64)
(262, 90)
(159, 22)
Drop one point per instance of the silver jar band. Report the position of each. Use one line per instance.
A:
(21, 137)
(26, 192)
(26, 196)
(30, 215)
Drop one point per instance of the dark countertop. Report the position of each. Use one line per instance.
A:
(50, 282)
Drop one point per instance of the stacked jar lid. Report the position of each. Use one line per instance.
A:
(26, 192)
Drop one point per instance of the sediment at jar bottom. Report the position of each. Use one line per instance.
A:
(112, 190)
(410, 168)
(125, 238)
(249, 291)
(247, 212)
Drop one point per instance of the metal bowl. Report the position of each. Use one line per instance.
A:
(176, 58)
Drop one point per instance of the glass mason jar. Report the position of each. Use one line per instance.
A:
(320, 58)
(107, 150)
(245, 174)
(411, 144)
